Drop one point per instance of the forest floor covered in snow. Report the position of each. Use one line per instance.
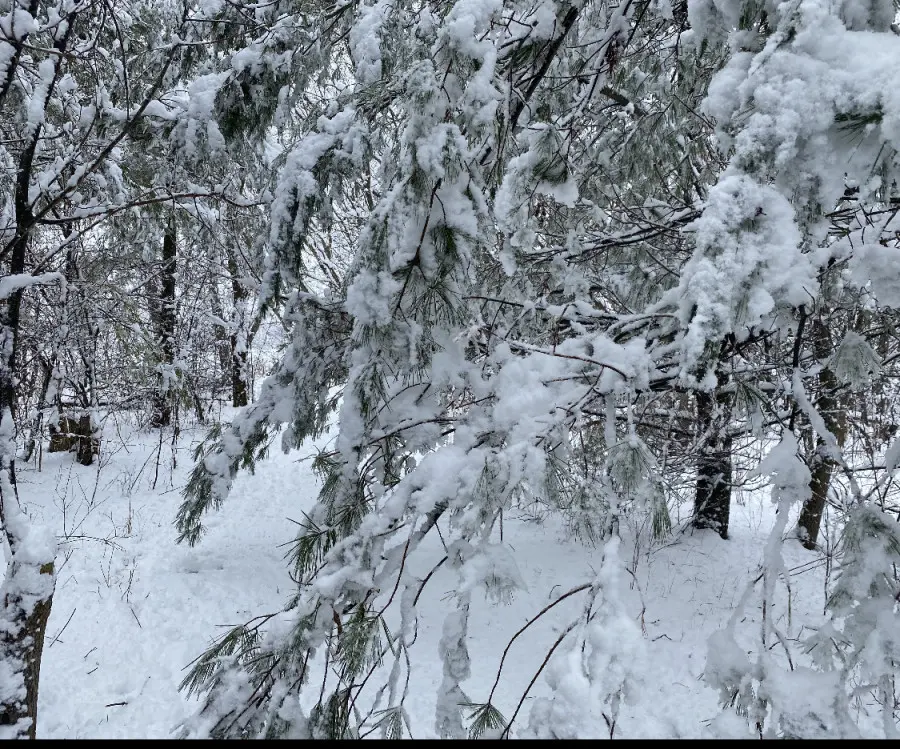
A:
(133, 608)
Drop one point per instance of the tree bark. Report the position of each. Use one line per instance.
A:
(712, 501)
(823, 466)
(239, 344)
(239, 397)
(22, 641)
(165, 331)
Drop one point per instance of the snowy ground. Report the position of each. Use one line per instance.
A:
(132, 608)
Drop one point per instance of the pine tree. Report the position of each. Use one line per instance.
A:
(585, 202)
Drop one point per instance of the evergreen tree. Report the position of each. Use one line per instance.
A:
(569, 220)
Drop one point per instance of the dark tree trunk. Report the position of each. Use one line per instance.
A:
(712, 501)
(811, 515)
(165, 329)
(22, 640)
(76, 434)
(238, 376)
(822, 465)
(239, 391)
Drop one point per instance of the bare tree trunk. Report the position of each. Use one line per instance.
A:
(165, 330)
(239, 388)
(23, 624)
(712, 501)
(822, 465)
(239, 343)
